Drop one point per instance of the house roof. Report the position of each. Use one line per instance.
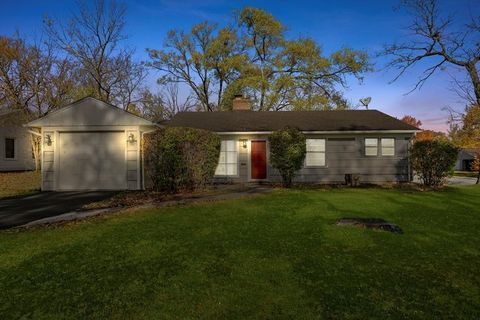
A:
(260, 121)
(12, 118)
(471, 151)
(90, 112)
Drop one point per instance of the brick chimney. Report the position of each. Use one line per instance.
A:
(240, 103)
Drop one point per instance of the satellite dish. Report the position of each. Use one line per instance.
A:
(365, 101)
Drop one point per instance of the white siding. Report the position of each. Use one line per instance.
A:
(23, 151)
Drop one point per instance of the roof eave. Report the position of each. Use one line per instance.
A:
(40, 122)
(322, 132)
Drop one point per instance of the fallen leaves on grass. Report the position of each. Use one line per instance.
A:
(18, 183)
(138, 198)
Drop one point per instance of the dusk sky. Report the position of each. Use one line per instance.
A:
(365, 25)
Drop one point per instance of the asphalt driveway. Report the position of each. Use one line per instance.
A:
(19, 211)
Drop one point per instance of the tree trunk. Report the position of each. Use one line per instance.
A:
(262, 88)
(473, 73)
(287, 181)
(220, 91)
(206, 96)
(478, 177)
(35, 142)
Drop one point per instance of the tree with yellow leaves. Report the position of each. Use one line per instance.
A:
(476, 166)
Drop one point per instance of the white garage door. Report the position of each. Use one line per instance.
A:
(92, 161)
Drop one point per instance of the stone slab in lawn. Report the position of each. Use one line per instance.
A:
(371, 223)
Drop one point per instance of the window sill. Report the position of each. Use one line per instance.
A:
(381, 156)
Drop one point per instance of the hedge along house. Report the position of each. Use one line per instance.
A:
(367, 144)
(92, 145)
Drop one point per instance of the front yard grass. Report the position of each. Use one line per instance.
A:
(274, 256)
(19, 183)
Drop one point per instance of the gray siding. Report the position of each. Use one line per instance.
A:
(344, 155)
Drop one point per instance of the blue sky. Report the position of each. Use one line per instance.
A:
(365, 25)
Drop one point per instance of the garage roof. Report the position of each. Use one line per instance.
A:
(90, 112)
(259, 121)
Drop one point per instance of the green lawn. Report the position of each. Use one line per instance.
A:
(18, 183)
(274, 256)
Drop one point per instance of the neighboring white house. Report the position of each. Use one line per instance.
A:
(15, 145)
(465, 159)
(92, 145)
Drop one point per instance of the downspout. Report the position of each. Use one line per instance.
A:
(143, 160)
(410, 173)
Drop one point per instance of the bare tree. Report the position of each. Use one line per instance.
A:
(33, 81)
(93, 37)
(173, 102)
(32, 77)
(152, 106)
(186, 59)
(435, 38)
(462, 87)
(12, 69)
(165, 104)
(132, 76)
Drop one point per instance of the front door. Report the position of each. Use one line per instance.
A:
(259, 160)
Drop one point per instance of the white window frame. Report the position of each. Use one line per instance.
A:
(371, 147)
(392, 147)
(224, 152)
(323, 152)
(14, 149)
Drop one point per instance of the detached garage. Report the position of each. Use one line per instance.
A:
(92, 145)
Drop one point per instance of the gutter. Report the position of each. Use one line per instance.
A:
(35, 133)
(322, 132)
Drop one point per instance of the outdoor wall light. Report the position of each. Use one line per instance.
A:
(244, 143)
(48, 139)
(131, 138)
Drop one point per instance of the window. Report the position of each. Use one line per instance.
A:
(371, 146)
(9, 148)
(228, 162)
(388, 147)
(315, 153)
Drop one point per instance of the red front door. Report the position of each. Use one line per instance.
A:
(259, 160)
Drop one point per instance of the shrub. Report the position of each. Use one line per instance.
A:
(433, 160)
(181, 158)
(476, 166)
(287, 152)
